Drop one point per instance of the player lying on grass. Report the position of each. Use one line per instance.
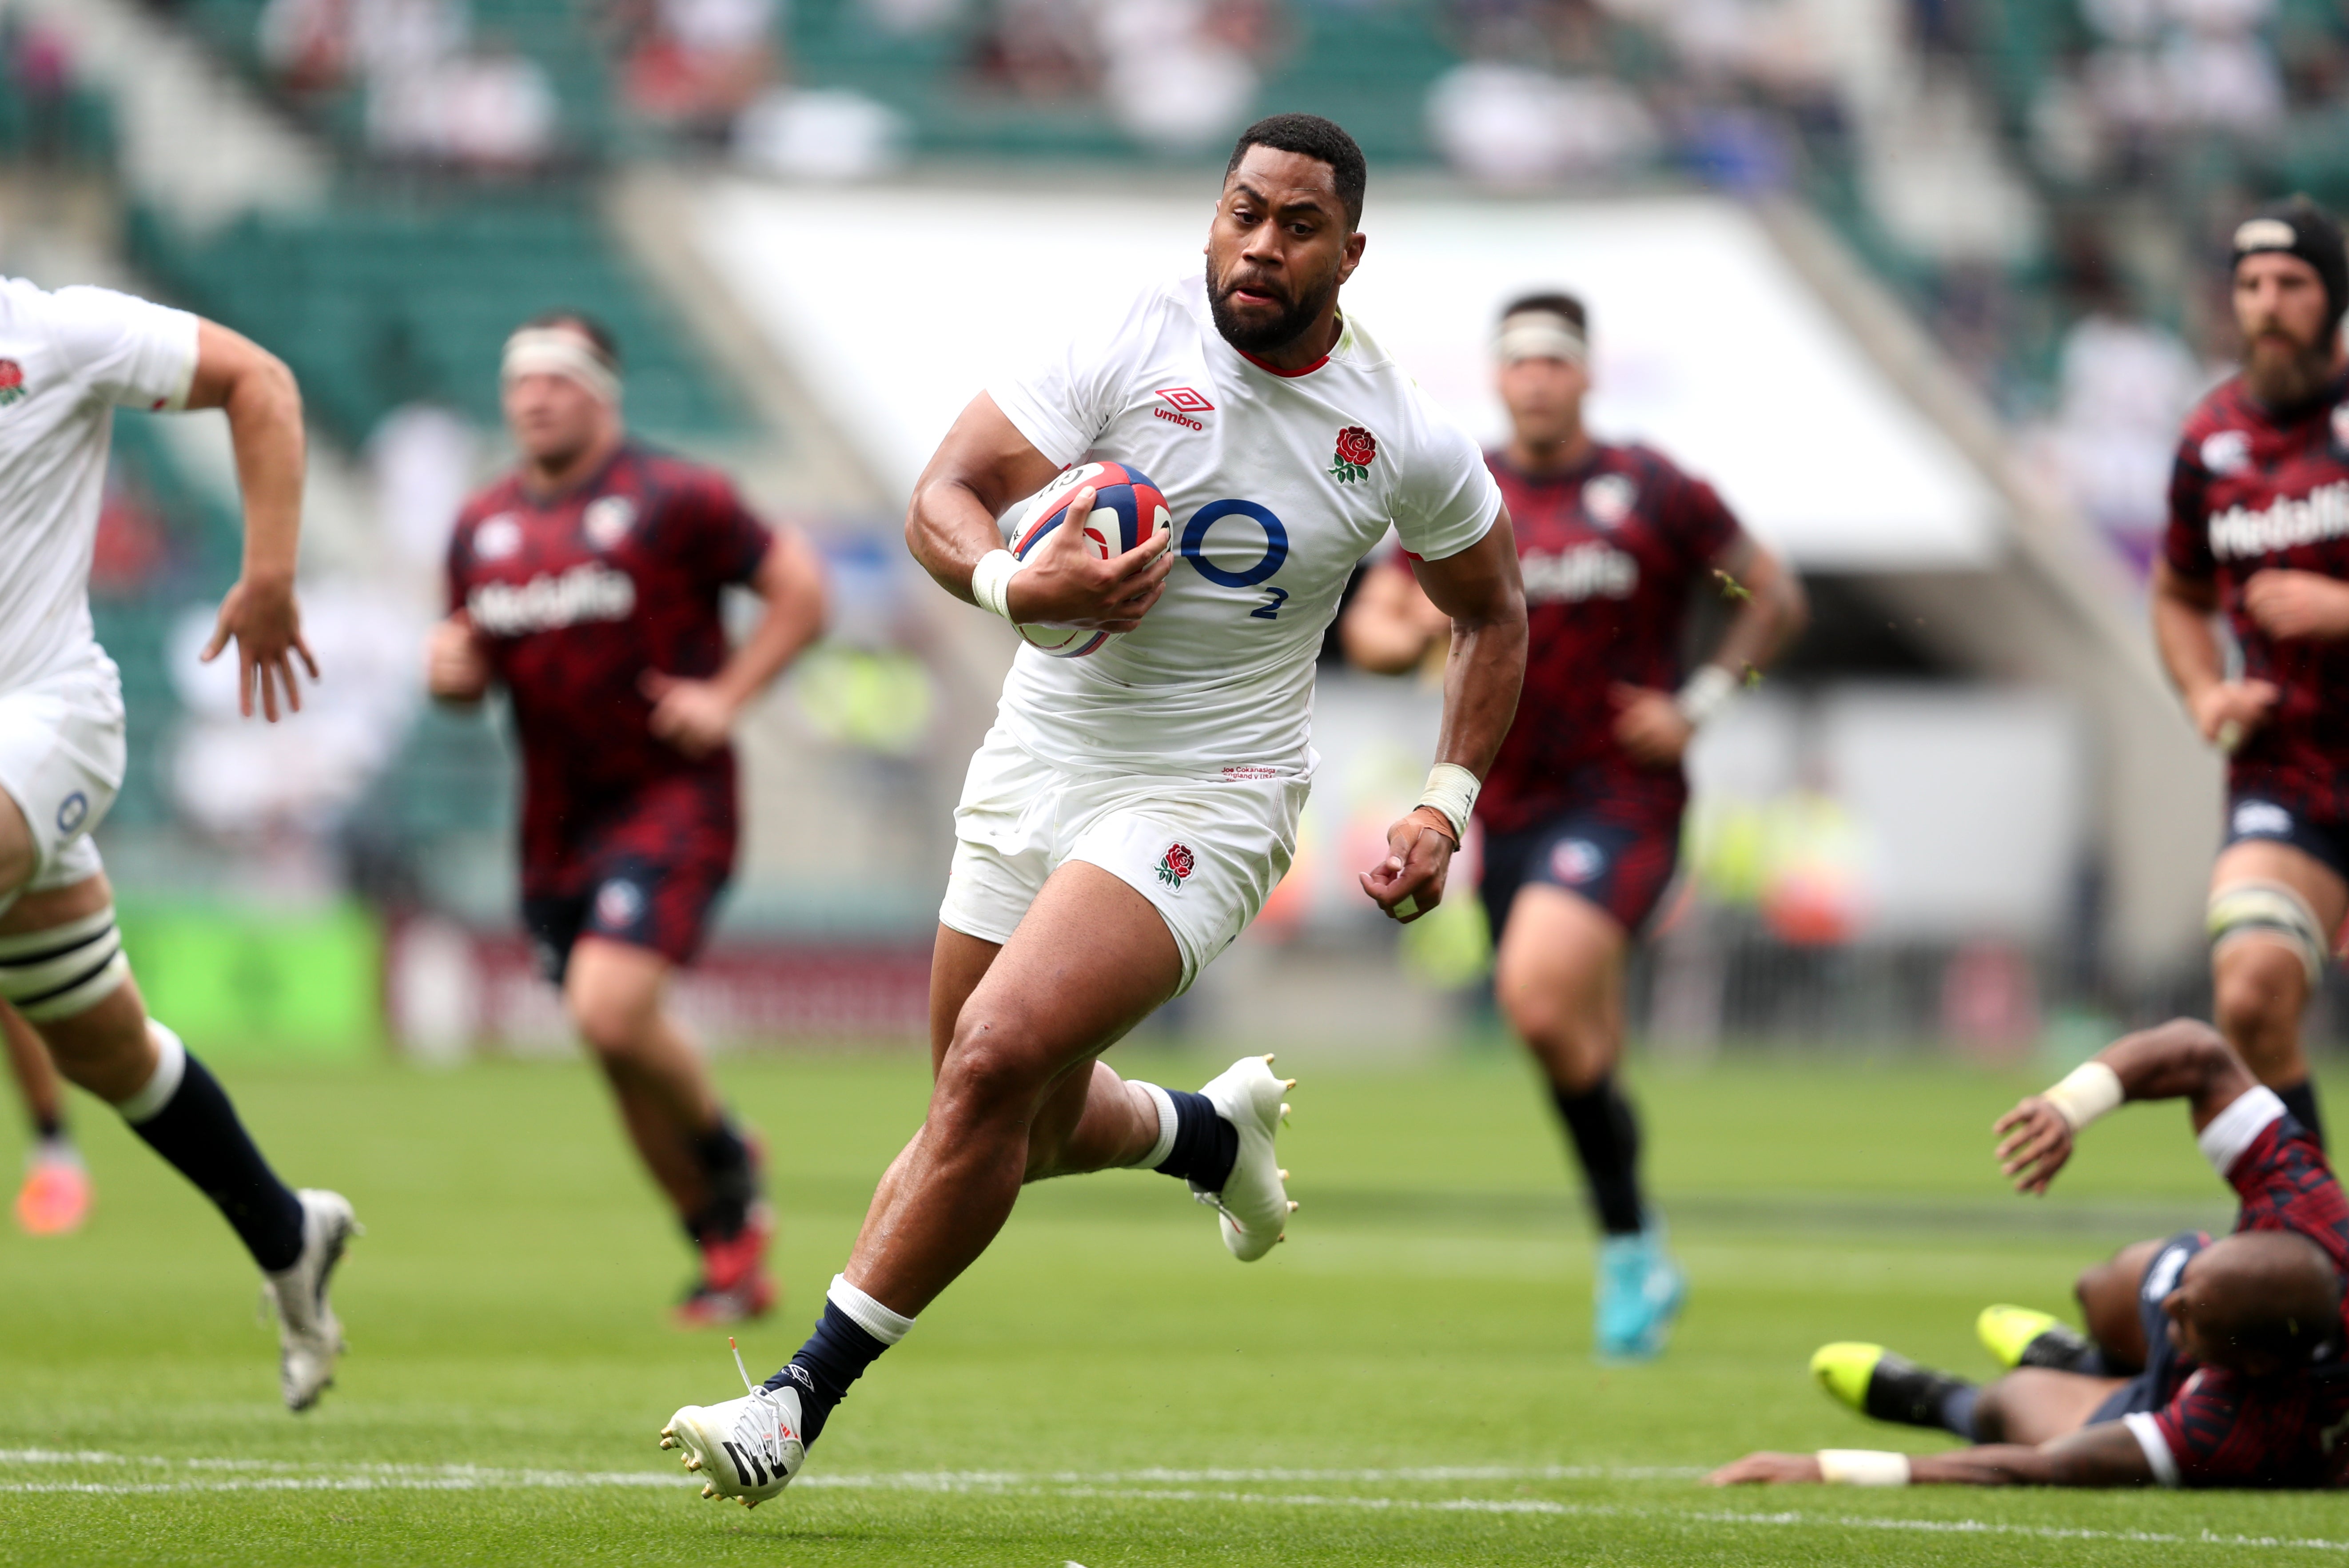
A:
(2232, 1347)
(67, 360)
(586, 582)
(1132, 808)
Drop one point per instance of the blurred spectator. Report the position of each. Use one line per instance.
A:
(1178, 74)
(695, 65)
(2124, 383)
(423, 457)
(314, 47)
(40, 72)
(490, 110)
(1509, 125)
(1039, 49)
(831, 134)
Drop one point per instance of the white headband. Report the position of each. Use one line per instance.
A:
(1541, 335)
(559, 351)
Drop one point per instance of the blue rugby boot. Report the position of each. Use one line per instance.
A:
(1639, 1291)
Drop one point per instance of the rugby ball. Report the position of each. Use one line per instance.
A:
(1127, 510)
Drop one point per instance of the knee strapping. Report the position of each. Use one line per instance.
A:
(2271, 911)
(66, 970)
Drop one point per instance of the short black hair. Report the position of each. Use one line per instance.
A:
(1565, 305)
(598, 336)
(1310, 136)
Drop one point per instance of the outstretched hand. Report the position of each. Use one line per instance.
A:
(266, 624)
(1409, 881)
(2035, 1141)
(1767, 1469)
(1066, 583)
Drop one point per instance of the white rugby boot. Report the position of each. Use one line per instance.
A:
(309, 1336)
(1254, 1204)
(747, 1449)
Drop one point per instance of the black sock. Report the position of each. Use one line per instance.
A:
(725, 1158)
(2301, 1100)
(2063, 1348)
(1606, 1139)
(48, 1128)
(1901, 1390)
(1205, 1143)
(835, 1356)
(1958, 1411)
(197, 1130)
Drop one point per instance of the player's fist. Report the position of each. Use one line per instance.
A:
(1649, 725)
(1409, 881)
(695, 717)
(2227, 711)
(455, 669)
(2287, 603)
(1066, 583)
(1767, 1469)
(2034, 1142)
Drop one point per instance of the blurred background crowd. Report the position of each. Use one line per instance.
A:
(2039, 190)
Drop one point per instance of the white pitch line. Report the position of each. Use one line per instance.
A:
(1140, 1486)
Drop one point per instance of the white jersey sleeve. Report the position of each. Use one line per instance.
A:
(1447, 499)
(128, 351)
(1067, 397)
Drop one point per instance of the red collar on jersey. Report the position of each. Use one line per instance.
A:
(1276, 370)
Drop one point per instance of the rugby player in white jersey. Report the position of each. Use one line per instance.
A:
(1130, 811)
(67, 360)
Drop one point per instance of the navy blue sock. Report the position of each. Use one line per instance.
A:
(1958, 1411)
(1205, 1143)
(835, 1356)
(2301, 1100)
(197, 1130)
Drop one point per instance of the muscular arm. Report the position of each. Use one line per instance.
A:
(1479, 588)
(264, 425)
(2223, 711)
(2183, 1059)
(1771, 614)
(697, 717)
(983, 466)
(2105, 1454)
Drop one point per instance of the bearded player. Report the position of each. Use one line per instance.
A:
(1582, 812)
(587, 583)
(2258, 532)
(2211, 1363)
(67, 360)
(1131, 809)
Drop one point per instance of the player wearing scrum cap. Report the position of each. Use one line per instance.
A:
(2259, 533)
(67, 360)
(1130, 811)
(1582, 811)
(586, 582)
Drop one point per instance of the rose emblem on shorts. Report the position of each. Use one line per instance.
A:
(1356, 448)
(1174, 867)
(12, 382)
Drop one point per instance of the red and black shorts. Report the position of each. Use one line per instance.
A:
(1618, 855)
(647, 872)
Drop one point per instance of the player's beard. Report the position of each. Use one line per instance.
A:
(1266, 337)
(2282, 372)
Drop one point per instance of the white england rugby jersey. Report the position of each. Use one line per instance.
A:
(67, 360)
(1278, 483)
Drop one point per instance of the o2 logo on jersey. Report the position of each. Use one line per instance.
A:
(72, 812)
(608, 519)
(498, 538)
(1607, 500)
(1275, 556)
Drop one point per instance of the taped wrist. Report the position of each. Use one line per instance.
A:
(1706, 694)
(990, 581)
(64, 971)
(1451, 794)
(1862, 1467)
(2088, 1091)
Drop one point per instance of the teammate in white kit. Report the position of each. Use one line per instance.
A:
(67, 360)
(1131, 809)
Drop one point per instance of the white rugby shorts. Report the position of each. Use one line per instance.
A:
(61, 761)
(1206, 853)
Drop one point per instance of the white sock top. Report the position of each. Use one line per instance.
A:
(1165, 1144)
(171, 1067)
(869, 1314)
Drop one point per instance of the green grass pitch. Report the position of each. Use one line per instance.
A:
(1407, 1381)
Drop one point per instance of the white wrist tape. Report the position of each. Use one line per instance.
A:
(990, 581)
(1706, 694)
(1862, 1467)
(2088, 1091)
(1452, 793)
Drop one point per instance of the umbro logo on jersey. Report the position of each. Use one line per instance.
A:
(12, 383)
(1182, 404)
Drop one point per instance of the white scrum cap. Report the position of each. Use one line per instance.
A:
(560, 351)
